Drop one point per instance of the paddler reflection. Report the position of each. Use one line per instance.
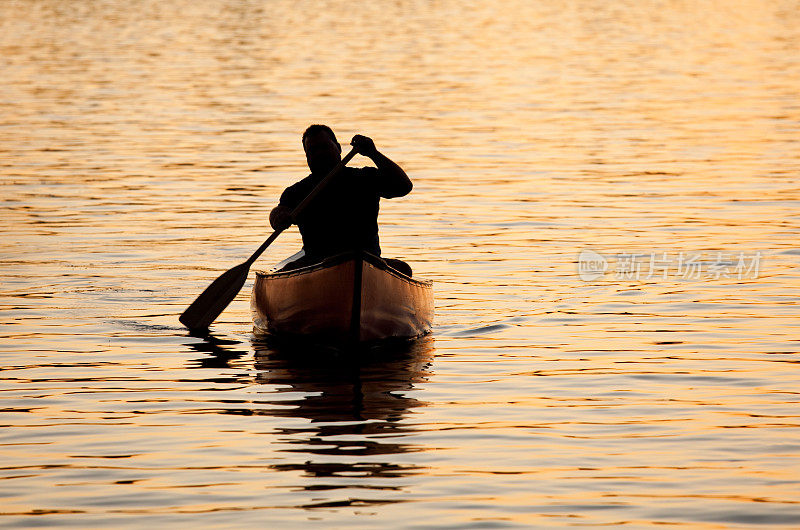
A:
(357, 408)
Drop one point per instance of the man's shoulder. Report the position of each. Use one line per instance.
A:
(309, 181)
(293, 194)
(302, 183)
(363, 176)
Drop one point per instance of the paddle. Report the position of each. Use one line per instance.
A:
(224, 289)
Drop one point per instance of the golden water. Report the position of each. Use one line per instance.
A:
(143, 143)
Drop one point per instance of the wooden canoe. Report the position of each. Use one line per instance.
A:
(348, 298)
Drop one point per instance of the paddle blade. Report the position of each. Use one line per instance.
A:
(215, 298)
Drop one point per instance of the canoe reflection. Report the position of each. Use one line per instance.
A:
(357, 406)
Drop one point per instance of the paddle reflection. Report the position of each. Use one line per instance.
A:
(356, 404)
(219, 352)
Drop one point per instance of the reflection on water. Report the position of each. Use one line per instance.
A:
(356, 407)
(220, 352)
(142, 145)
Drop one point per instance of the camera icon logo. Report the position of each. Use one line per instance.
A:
(591, 265)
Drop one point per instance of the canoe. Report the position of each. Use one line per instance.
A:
(348, 298)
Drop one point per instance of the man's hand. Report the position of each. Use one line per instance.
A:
(364, 146)
(280, 218)
(393, 180)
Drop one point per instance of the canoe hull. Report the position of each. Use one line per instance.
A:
(347, 298)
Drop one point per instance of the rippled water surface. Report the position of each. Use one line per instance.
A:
(143, 143)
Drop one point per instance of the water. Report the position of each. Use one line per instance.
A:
(142, 145)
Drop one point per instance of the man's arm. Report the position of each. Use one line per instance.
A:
(395, 182)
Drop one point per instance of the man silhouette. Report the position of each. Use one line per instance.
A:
(344, 216)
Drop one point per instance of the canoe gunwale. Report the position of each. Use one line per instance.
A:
(341, 258)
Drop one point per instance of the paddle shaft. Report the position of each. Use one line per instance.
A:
(213, 301)
(304, 203)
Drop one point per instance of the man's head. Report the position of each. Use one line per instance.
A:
(322, 149)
